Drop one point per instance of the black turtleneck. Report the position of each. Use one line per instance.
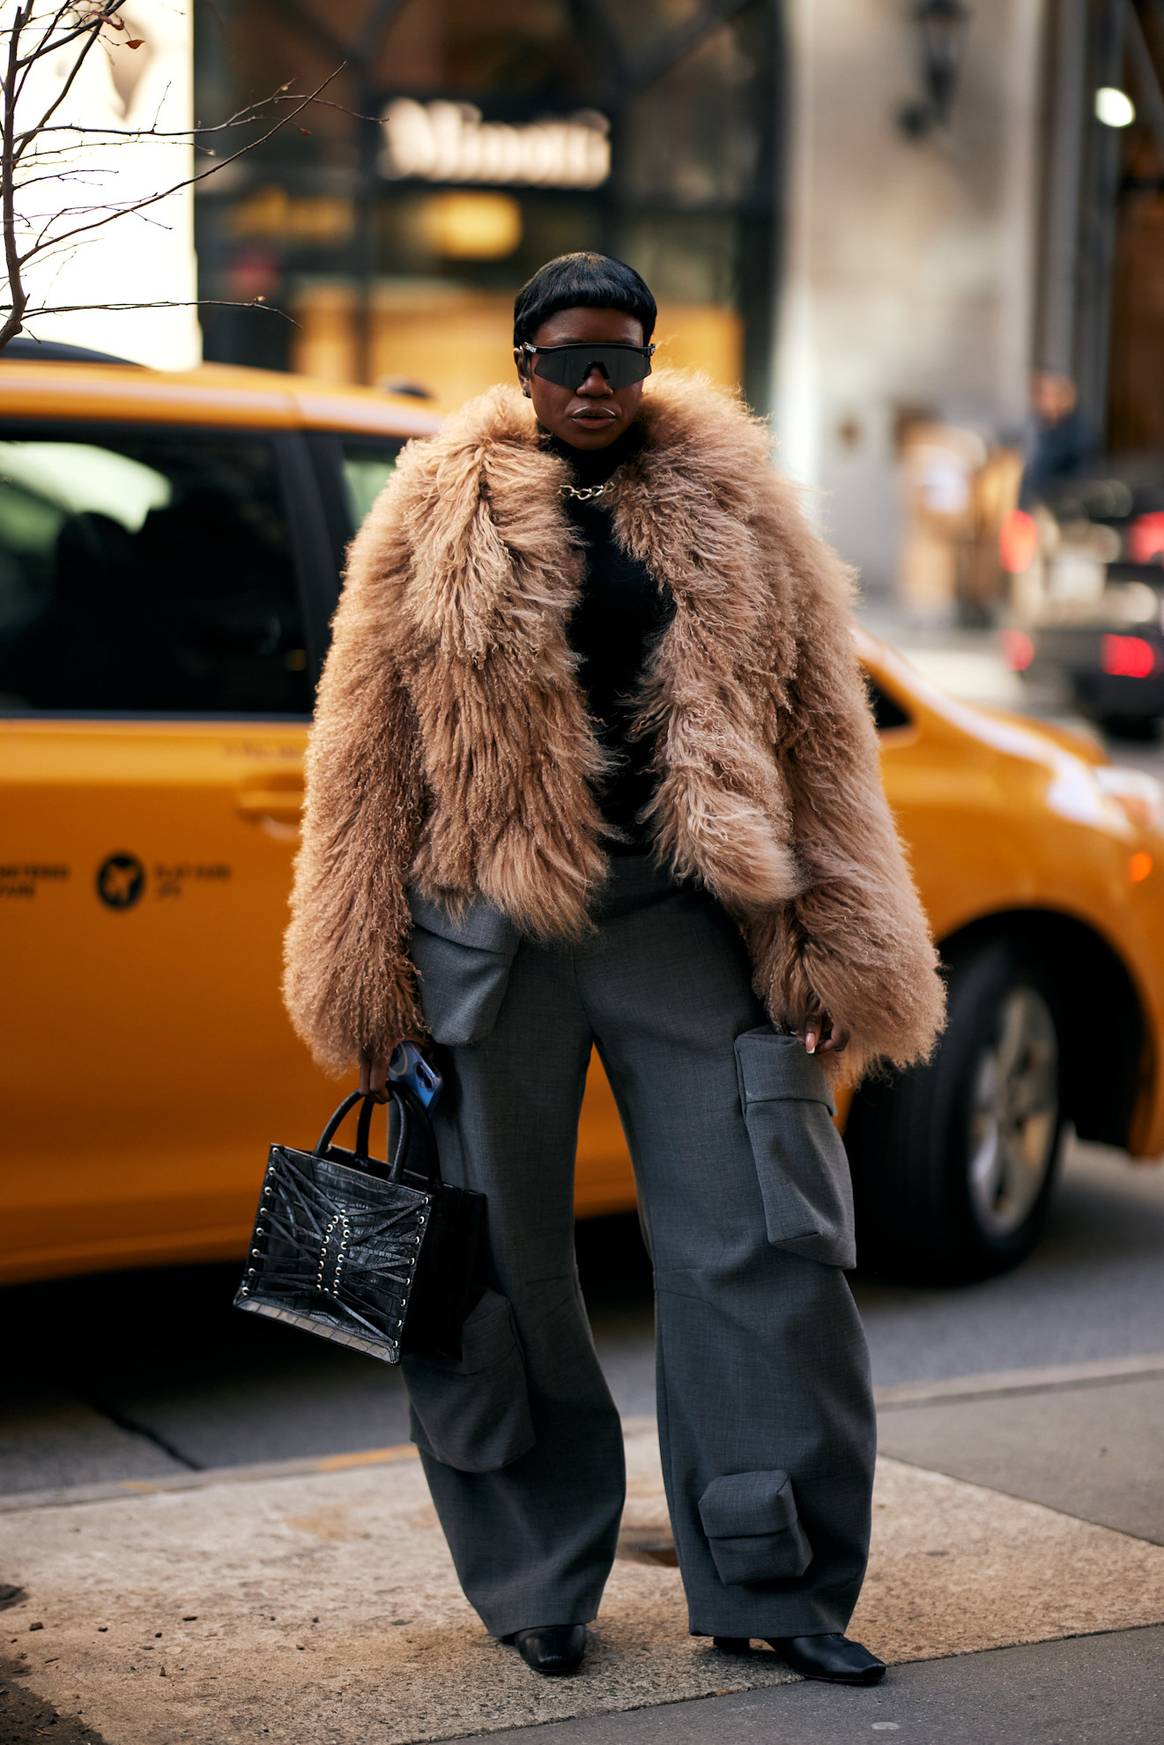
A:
(620, 610)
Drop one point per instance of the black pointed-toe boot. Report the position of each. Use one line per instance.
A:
(831, 1657)
(552, 1649)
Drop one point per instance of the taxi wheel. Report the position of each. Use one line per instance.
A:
(954, 1163)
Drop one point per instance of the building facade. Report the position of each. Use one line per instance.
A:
(861, 267)
(455, 147)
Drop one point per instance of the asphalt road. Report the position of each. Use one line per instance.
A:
(1085, 1692)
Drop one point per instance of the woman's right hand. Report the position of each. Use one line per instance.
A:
(374, 1074)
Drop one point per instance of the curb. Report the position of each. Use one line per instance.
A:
(1099, 1373)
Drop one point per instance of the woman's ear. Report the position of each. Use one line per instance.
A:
(519, 360)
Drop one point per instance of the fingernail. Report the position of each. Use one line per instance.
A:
(810, 1041)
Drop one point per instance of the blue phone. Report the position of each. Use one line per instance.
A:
(407, 1065)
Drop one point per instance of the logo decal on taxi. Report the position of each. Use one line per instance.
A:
(120, 880)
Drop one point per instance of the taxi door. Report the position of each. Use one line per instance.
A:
(162, 607)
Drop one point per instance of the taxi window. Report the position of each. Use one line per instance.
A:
(367, 467)
(887, 711)
(147, 572)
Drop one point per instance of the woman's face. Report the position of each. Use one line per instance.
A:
(593, 414)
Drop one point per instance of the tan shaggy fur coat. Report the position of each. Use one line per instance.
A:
(451, 746)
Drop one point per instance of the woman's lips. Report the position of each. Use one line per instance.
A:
(593, 417)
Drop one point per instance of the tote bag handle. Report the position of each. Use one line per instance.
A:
(415, 1162)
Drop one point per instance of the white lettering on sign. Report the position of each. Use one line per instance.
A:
(450, 142)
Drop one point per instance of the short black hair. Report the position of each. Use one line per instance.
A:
(582, 281)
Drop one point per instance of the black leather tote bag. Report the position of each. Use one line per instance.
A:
(379, 1255)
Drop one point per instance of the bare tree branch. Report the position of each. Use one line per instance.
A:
(66, 87)
(165, 303)
(7, 191)
(44, 152)
(95, 23)
(46, 250)
(81, 172)
(191, 181)
(54, 22)
(29, 219)
(45, 34)
(252, 112)
(39, 237)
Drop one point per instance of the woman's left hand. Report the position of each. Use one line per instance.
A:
(819, 1029)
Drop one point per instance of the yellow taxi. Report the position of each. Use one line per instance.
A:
(170, 546)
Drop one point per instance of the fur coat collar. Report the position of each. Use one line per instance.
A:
(495, 576)
(451, 730)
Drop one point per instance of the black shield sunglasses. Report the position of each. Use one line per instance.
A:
(568, 366)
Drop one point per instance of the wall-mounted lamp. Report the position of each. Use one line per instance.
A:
(941, 26)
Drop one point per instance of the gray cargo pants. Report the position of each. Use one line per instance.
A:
(765, 1411)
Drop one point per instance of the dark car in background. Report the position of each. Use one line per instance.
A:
(1087, 591)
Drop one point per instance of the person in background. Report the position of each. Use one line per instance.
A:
(1061, 444)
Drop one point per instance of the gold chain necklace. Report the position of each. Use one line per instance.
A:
(584, 492)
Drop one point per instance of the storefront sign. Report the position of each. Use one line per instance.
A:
(439, 141)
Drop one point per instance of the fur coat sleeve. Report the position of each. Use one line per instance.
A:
(348, 983)
(855, 942)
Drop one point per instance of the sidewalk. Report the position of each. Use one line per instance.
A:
(314, 1601)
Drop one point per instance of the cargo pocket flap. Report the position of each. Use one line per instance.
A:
(747, 1502)
(482, 923)
(463, 967)
(474, 1413)
(773, 1064)
(753, 1528)
(801, 1162)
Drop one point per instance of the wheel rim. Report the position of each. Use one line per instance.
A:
(1015, 1113)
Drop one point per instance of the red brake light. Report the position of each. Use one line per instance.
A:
(1018, 651)
(1018, 542)
(1128, 657)
(1146, 538)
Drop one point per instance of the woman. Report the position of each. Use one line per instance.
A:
(593, 765)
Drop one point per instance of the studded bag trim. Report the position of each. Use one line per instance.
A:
(379, 1255)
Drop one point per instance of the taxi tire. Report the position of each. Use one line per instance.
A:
(909, 1140)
